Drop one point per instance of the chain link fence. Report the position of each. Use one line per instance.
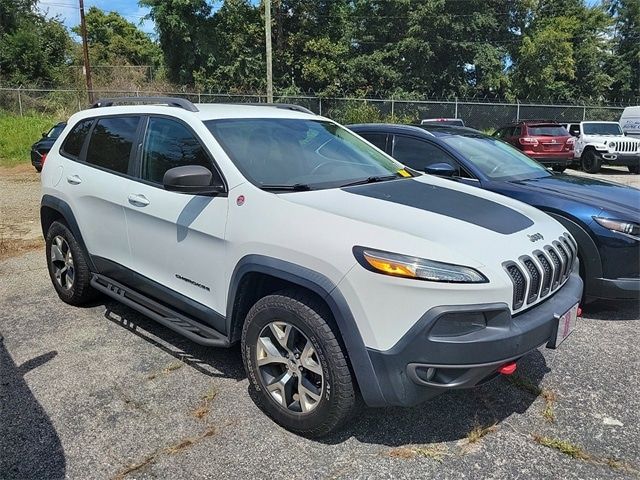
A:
(484, 115)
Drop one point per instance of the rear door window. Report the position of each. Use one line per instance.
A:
(72, 145)
(111, 143)
(418, 154)
(378, 139)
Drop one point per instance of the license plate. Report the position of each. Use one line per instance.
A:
(566, 324)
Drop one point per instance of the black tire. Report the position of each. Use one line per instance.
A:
(559, 169)
(634, 169)
(78, 291)
(337, 398)
(590, 161)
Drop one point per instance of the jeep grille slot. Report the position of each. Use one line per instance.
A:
(534, 279)
(537, 276)
(519, 285)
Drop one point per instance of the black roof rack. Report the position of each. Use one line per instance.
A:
(170, 101)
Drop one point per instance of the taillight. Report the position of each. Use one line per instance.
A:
(571, 141)
(528, 141)
(44, 157)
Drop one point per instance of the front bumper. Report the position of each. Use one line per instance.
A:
(622, 159)
(423, 364)
(615, 288)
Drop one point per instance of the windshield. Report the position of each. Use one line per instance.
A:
(55, 131)
(601, 129)
(494, 158)
(297, 152)
(547, 131)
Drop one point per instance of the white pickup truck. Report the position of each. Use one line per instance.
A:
(600, 143)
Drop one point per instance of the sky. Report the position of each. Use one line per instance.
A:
(69, 12)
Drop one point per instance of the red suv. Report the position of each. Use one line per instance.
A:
(547, 142)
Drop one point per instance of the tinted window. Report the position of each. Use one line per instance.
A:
(56, 131)
(601, 129)
(74, 141)
(574, 129)
(111, 142)
(378, 139)
(547, 131)
(417, 154)
(169, 144)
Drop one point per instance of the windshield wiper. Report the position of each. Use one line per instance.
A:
(373, 179)
(296, 187)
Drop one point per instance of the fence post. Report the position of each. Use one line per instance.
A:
(456, 111)
(584, 112)
(393, 109)
(20, 101)
(320, 106)
(517, 110)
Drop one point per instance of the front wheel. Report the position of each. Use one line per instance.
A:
(297, 369)
(590, 162)
(634, 169)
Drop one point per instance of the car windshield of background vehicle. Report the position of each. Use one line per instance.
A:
(496, 159)
(300, 153)
(601, 129)
(547, 131)
(55, 131)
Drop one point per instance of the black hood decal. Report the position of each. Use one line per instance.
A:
(448, 202)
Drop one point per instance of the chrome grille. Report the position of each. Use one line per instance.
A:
(537, 276)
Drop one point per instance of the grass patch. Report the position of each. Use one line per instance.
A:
(433, 452)
(548, 396)
(569, 449)
(205, 405)
(478, 432)
(17, 134)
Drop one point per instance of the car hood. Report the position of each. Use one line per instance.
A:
(475, 223)
(596, 193)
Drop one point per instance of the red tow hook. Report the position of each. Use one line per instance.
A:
(507, 368)
(579, 312)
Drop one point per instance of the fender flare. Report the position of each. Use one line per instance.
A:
(64, 210)
(328, 291)
(587, 250)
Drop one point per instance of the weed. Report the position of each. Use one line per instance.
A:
(548, 396)
(166, 370)
(478, 432)
(203, 409)
(573, 451)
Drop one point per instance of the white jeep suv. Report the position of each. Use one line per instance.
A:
(340, 272)
(600, 143)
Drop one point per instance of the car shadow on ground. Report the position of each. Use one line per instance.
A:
(213, 362)
(612, 310)
(449, 417)
(29, 444)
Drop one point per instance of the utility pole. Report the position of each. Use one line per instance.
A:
(85, 49)
(267, 30)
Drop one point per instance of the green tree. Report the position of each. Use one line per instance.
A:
(624, 67)
(115, 41)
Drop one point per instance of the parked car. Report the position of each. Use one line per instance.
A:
(545, 141)
(335, 268)
(40, 149)
(443, 121)
(600, 143)
(603, 217)
(630, 121)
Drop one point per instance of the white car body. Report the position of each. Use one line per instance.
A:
(630, 121)
(608, 146)
(195, 245)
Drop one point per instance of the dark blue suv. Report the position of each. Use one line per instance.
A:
(603, 217)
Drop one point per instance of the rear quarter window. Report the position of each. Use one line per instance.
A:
(111, 143)
(72, 145)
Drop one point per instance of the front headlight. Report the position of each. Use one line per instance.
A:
(405, 266)
(612, 144)
(627, 228)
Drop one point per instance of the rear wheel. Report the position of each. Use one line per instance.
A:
(297, 369)
(590, 162)
(634, 168)
(559, 169)
(67, 266)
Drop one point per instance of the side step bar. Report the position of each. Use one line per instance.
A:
(192, 329)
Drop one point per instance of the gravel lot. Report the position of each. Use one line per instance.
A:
(102, 392)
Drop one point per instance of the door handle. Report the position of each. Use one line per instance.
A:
(74, 180)
(138, 200)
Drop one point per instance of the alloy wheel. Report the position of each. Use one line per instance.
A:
(289, 367)
(62, 262)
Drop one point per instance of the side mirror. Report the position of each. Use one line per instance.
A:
(441, 169)
(192, 179)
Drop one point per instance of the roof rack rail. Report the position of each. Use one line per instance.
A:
(285, 106)
(170, 101)
(540, 120)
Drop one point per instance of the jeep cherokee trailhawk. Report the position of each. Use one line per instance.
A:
(340, 272)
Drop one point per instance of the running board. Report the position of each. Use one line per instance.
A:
(192, 329)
